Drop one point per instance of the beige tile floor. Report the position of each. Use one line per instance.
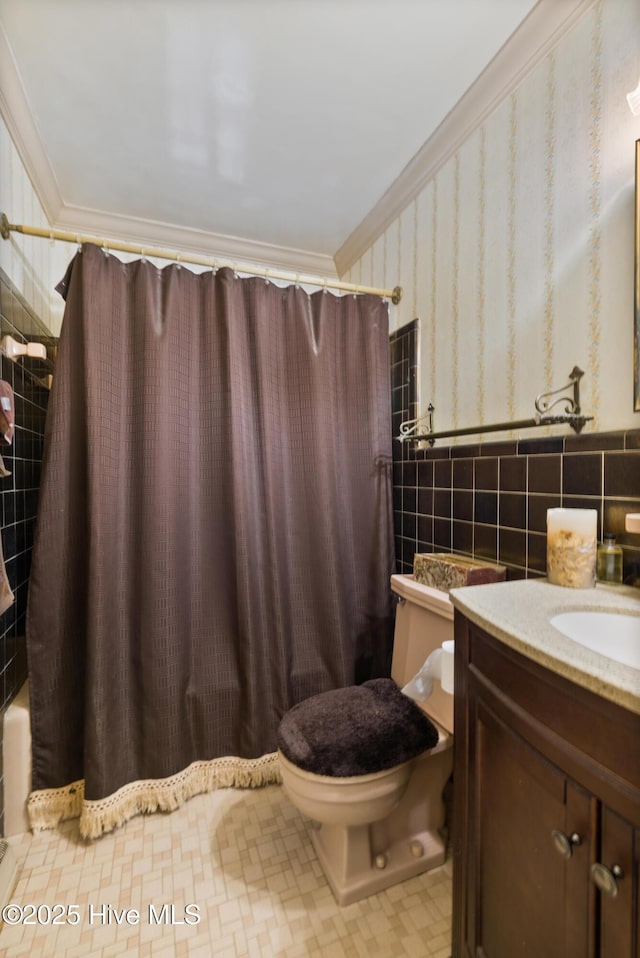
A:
(245, 859)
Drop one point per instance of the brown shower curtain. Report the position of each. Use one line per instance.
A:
(214, 537)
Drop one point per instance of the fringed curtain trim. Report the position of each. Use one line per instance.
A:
(48, 807)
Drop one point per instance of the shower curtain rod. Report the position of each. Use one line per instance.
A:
(395, 294)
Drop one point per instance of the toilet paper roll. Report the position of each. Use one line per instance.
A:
(446, 661)
(439, 665)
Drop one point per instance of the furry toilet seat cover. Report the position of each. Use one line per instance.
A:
(356, 730)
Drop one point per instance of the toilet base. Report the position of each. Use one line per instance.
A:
(346, 860)
(361, 860)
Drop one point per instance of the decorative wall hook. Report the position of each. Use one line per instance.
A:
(409, 426)
(572, 403)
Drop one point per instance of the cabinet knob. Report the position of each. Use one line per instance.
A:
(565, 843)
(605, 878)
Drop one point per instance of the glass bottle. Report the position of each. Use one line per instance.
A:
(609, 559)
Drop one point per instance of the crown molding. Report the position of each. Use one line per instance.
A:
(539, 32)
(144, 232)
(16, 112)
(542, 29)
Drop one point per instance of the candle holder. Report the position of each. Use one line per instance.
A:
(572, 545)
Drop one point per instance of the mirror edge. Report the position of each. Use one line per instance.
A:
(636, 337)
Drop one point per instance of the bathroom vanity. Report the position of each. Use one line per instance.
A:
(546, 820)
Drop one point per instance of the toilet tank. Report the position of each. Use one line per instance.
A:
(424, 620)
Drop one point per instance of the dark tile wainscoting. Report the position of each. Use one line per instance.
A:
(19, 491)
(490, 500)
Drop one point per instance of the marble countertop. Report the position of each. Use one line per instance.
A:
(518, 613)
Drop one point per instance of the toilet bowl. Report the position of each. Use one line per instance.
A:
(350, 800)
(374, 830)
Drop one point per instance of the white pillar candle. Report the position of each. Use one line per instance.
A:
(572, 544)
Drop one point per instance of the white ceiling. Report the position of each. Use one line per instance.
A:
(280, 122)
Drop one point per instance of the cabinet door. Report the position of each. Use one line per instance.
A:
(616, 876)
(532, 836)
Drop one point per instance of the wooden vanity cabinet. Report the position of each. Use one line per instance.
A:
(546, 811)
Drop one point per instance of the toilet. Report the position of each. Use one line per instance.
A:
(372, 830)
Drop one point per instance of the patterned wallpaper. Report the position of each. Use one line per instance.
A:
(33, 265)
(518, 255)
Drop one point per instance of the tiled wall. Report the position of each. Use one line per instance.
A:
(19, 491)
(491, 500)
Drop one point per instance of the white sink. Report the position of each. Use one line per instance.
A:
(613, 634)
